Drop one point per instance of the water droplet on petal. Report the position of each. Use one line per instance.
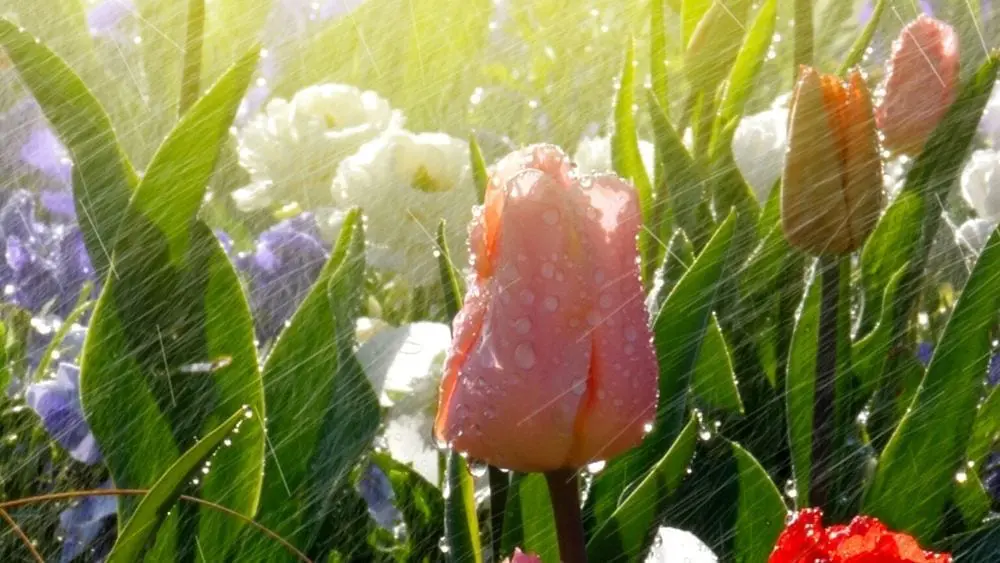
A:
(630, 333)
(522, 325)
(524, 355)
(548, 270)
(527, 297)
(551, 303)
(551, 216)
(477, 468)
(593, 318)
(606, 301)
(596, 467)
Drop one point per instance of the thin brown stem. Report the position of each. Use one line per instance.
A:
(141, 492)
(24, 537)
(564, 489)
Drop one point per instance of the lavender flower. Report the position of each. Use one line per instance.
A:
(280, 271)
(43, 265)
(82, 523)
(57, 402)
(991, 475)
(374, 486)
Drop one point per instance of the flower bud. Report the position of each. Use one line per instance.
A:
(921, 84)
(551, 364)
(832, 182)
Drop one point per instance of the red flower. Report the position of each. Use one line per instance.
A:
(864, 540)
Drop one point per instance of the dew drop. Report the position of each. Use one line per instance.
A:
(961, 477)
(477, 467)
(551, 303)
(790, 490)
(596, 467)
(647, 428)
(593, 318)
(527, 297)
(551, 216)
(443, 545)
(522, 325)
(548, 270)
(524, 355)
(630, 333)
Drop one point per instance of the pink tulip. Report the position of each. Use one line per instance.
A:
(921, 84)
(551, 364)
(522, 557)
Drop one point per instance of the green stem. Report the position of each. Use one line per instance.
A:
(499, 483)
(564, 489)
(190, 83)
(803, 35)
(826, 374)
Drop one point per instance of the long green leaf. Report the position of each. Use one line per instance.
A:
(800, 389)
(103, 178)
(299, 382)
(479, 175)
(713, 383)
(144, 523)
(449, 281)
(628, 529)
(658, 52)
(747, 66)
(625, 157)
(912, 482)
(860, 45)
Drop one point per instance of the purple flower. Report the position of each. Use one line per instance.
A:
(42, 264)
(109, 18)
(57, 403)
(45, 153)
(280, 271)
(924, 352)
(83, 522)
(374, 486)
(991, 475)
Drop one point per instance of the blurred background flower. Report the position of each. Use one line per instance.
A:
(981, 183)
(759, 145)
(57, 402)
(292, 148)
(593, 155)
(405, 183)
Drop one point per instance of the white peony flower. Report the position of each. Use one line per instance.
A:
(989, 124)
(406, 183)
(759, 145)
(974, 233)
(981, 183)
(404, 365)
(672, 545)
(593, 155)
(292, 148)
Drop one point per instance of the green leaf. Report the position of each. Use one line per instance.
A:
(800, 389)
(860, 45)
(683, 190)
(4, 368)
(729, 502)
(300, 381)
(352, 415)
(658, 52)
(528, 521)
(692, 12)
(625, 157)
(986, 429)
(421, 505)
(687, 311)
(871, 352)
(103, 178)
(146, 519)
(913, 480)
(909, 225)
(679, 257)
(194, 39)
(449, 281)
(173, 188)
(461, 528)
(629, 528)
(83, 304)
(237, 470)
(162, 28)
(974, 546)
(479, 174)
(747, 66)
(713, 383)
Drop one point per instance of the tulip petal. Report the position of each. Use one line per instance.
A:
(812, 205)
(621, 392)
(864, 165)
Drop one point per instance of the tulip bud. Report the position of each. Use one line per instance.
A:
(712, 48)
(921, 84)
(832, 182)
(551, 364)
(522, 557)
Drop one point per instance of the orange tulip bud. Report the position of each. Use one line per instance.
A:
(552, 363)
(832, 183)
(921, 85)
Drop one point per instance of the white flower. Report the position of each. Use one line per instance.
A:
(894, 175)
(974, 233)
(593, 155)
(404, 365)
(672, 545)
(989, 124)
(406, 183)
(292, 148)
(981, 183)
(759, 145)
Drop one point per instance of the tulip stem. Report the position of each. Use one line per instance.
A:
(499, 482)
(826, 375)
(564, 489)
